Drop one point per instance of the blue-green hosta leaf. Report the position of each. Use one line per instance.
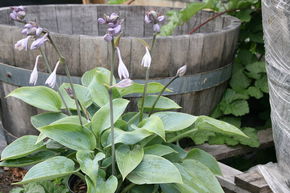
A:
(125, 137)
(197, 178)
(52, 168)
(103, 186)
(99, 93)
(89, 164)
(213, 125)
(21, 147)
(39, 96)
(206, 159)
(175, 121)
(28, 160)
(155, 170)
(159, 149)
(128, 159)
(102, 76)
(82, 93)
(44, 119)
(70, 135)
(163, 103)
(101, 119)
(152, 87)
(73, 119)
(155, 125)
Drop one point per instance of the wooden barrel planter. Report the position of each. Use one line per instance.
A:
(208, 54)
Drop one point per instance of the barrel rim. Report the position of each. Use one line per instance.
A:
(234, 24)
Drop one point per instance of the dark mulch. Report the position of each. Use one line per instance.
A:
(79, 186)
(8, 176)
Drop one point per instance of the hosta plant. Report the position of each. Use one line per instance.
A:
(86, 130)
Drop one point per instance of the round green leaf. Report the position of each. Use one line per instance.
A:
(155, 125)
(39, 96)
(159, 149)
(128, 159)
(50, 169)
(175, 121)
(155, 170)
(21, 147)
(70, 135)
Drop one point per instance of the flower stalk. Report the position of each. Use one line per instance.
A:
(146, 81)
(57, 86)
(62, 61)
(112, 109)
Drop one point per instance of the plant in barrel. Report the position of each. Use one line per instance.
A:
(86, 131)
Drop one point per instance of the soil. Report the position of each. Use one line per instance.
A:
(79, 186)
(8, 176)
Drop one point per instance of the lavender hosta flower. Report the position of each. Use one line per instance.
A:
(181, 71)
(39, 42)
(22, 44)
(114, 25)
(154, 18)
(124, 83)
(51, 80)
(34, 74)
(146, 60)
(122, 69)
(18, 13)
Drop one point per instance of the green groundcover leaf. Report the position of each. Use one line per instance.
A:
(39, 96)
(70, 135)
(50, 169)
(128, 159)
(206, 159)
(101, 119)
(155, 170)
(21, 147)
(163, 103)
(197, 178)
(155, 125)
(175, 121)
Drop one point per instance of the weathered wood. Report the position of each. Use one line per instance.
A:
(16, 109)
(3, 141)
(252, 181)
(80, 38)
(227, 180)
(223, 151)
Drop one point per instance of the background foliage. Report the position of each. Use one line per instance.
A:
(245, 102)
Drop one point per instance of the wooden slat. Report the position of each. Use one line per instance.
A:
(64, 19)
(3, 141)
(252, 181)
(222, 151)
(227, 180)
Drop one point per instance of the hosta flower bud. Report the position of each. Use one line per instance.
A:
(146, 60)
(39, 42)
(154, 18)
(181, 71)
(18, 13)
(34, 74)
(114, 25)
(122, 70)
(124, 83)
(51, 80)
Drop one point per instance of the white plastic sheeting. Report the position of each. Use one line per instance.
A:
(276, 24)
